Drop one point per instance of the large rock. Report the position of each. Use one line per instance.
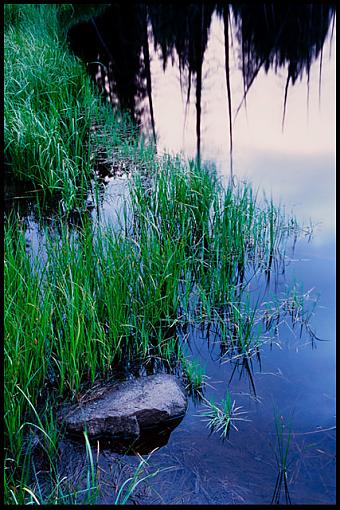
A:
(130, 408)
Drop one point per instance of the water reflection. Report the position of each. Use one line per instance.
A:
(279, 36)
(121, 45)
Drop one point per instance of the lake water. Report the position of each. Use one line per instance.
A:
(296, 376)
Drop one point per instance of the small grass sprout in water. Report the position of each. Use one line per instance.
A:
(140, 475)
(283, 440)
(92, 482)
(222, 417)
(194, 376)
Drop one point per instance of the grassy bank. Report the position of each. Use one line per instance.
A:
(50, 106)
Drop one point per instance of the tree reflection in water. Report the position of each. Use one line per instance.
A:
(116, 47)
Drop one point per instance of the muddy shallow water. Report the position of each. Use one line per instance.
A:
(295, 375)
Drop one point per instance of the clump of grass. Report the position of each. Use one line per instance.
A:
(194, 376)
(94, 296)
(61, 492)
(45, 123)
(27, 322)
(221, 418)
(225, 233)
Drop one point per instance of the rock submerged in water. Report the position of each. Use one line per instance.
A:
(129, 409)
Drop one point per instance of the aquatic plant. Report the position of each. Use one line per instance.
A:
(93, 295)
(281, 455)
(130, 485)
(193, 375)
(91, 478)
(39, 436)
(220, 418)
(62, 491)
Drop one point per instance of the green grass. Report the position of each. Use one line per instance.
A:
(194, 376)
(221, 418)
(283, 440)
(94, 296)
(139, 476)
(50, 105)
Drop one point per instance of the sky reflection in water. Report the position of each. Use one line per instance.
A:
(297, 165)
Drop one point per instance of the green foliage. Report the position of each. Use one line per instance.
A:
(194, 375)
(222, 417)
(140, 475)
(283, 440)
(94, 295)
(49, 103)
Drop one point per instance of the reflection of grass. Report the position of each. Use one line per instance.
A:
(243, 328)
(291, 306)
(222, 417)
